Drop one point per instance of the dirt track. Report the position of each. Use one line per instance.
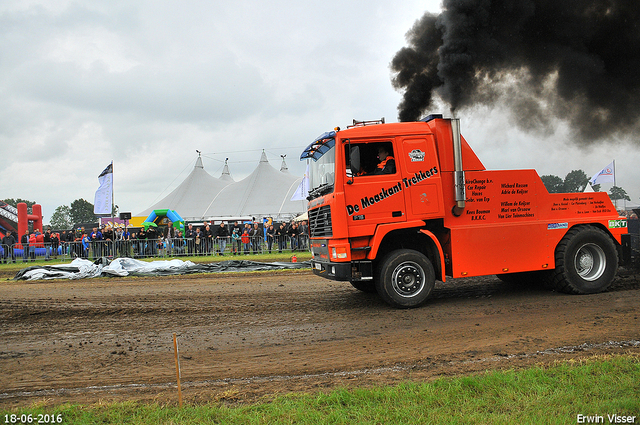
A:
(252, 335)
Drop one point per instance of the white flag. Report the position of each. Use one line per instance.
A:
(606, 175)
(302, 191)
(102, 204)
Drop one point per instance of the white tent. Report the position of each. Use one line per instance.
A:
(226, 175)
(266, 192)
(191, 198)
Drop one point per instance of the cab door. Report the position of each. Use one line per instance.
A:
(421, 177)
(371, 198)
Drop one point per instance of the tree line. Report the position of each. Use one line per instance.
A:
(65, 216)
(577, 181)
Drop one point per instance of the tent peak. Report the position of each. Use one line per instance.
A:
(283, 166)
(263, 158)
(199, 162)
(226, 174)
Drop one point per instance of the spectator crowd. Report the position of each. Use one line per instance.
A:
(204, 239)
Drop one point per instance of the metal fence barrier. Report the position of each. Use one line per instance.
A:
(7, 254)
(178, 247)
(152, 248)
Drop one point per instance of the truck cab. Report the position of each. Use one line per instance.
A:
(394, 207)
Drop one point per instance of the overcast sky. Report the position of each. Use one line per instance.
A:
(146, 84)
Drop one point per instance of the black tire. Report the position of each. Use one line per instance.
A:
(365, 286)
(586, 261)
(405, 278)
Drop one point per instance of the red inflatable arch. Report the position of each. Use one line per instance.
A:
(24, 218)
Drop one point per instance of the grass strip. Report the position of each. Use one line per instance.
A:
(557, 394)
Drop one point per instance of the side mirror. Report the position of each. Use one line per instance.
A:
(354, 160)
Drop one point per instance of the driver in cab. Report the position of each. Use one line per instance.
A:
(387, 164)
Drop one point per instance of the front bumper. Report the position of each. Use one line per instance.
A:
(330, 270)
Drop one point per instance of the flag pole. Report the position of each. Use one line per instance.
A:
(614, 181)
(112, 196)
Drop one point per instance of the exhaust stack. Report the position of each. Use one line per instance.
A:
(458, 175)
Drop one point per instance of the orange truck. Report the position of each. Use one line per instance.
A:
(395, 207)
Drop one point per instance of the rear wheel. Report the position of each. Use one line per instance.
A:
(586, 261)
(405, 278)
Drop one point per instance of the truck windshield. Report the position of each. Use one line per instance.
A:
(322, 173)
(322, 166)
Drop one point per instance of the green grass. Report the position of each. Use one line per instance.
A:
(539, 395)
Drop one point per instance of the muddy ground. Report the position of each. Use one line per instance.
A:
(245, 337)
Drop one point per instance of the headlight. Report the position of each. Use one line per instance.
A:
(338, 252)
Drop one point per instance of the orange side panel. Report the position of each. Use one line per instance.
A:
(511, 223)
(485, 250)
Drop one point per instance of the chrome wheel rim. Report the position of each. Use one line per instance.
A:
(408, 279)
(590, 262)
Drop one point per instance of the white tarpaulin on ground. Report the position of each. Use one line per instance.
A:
(83, 269)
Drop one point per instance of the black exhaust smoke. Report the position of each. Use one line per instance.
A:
(578, 61)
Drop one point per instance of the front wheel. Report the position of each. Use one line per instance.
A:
(586, 261)
(405, 278)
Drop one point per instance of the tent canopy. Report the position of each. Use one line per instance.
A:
(188, 196)
(266, 192)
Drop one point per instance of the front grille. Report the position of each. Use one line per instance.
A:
(320, 222)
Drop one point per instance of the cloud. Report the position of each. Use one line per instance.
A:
(145, 84)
